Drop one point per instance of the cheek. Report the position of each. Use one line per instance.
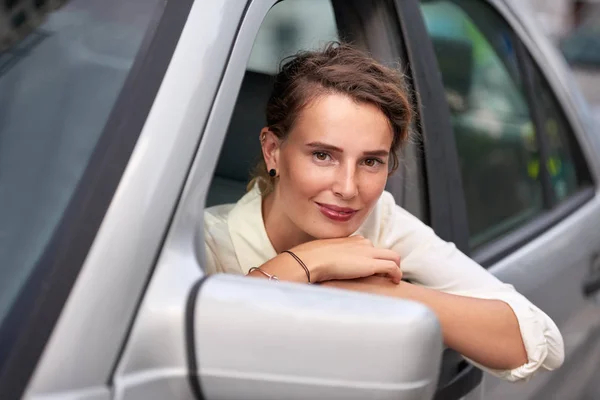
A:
(372, 185)
(303, 177)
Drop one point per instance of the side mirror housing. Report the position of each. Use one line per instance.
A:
(254, 339)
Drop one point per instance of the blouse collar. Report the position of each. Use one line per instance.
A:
(251, 243)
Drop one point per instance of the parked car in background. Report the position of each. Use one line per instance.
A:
(120, 121)
(581, 48)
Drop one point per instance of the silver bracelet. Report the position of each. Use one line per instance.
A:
(271, 277)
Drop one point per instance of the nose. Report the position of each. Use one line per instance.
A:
(345, 186)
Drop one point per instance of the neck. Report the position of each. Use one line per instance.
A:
(282, 232)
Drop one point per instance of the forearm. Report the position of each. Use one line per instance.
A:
(486, 331)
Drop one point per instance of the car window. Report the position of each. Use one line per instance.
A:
(566, 163)
(290, 26)
(58, 88)
(493, 127)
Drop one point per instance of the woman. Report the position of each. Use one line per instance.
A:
(317, 212)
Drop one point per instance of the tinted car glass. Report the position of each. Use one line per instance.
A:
(494, 131)
(566, 165)
(58, 88)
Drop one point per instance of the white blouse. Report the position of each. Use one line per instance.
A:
(236, 240)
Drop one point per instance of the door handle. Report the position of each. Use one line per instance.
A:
(591, 284)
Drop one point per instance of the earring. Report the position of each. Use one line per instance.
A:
(272, 173)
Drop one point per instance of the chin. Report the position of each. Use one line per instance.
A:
(326, 231)
(324, 228)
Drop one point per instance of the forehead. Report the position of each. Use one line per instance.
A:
(341, 121)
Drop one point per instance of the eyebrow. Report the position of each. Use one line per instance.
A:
(325, 146)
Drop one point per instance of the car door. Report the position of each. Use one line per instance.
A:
(220, 179)
(71, 328)
(529, 169)
(425, 184)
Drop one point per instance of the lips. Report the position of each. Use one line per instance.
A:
(336, 213)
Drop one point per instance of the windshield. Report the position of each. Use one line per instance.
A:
(57, 89)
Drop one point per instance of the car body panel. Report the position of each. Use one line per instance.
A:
(113, 278)
(204, 77)
(146, 371)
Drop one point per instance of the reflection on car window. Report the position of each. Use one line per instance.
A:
(566, 165)
(479, 72)
(58, 87)
(494, 132)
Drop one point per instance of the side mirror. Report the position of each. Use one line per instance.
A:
(254, 339)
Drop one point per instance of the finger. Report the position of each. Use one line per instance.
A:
(397, 278)
(386, 254)
(390, 268)
(385, 278)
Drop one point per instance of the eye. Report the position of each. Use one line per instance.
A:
(321, 156)
(373, 162)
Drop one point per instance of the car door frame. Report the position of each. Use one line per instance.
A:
(444, 206)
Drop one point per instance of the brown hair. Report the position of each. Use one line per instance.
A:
(338, 68)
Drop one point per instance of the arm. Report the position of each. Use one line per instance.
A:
(333, 259)
(465, 294)
(485, 331)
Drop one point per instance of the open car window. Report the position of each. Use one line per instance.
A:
(289, 27)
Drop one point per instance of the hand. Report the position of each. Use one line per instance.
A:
(374, 284)
(348, 258)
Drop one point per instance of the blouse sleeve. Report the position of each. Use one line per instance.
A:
(218, 250)
(429, 261)
(211, 265)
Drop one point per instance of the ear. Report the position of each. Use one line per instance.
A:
(270, 144)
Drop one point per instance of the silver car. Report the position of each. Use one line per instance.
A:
(121, 121)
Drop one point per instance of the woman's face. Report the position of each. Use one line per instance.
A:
(333, 166)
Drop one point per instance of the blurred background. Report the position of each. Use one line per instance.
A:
(574, 26)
